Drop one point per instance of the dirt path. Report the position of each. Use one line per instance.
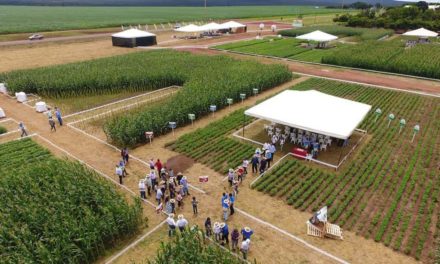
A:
(392, 81)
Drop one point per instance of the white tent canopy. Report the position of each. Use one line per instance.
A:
(232, 24)
(421, 32)
(133, 33)
(317, 36)
(312, 111)
(190, 28)
(211, 26)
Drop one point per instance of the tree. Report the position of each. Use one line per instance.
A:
(422, 5)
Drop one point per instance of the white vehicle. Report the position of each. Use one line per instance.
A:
(36, 37)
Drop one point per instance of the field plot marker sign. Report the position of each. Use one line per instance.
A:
(402, 123)
(149, 135)
(390, 118)
(213, 108)
(229, 101)
(378, 112)
(255, 91)
(172, 125)
(416, 130)
(242, 97)
(192, 117)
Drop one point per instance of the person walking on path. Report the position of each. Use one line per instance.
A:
(168, 206)
(194, 205)
(119, 173)
(268, 157)
(234, 237)
(159, 195)
(184, 183)
(122, 165)
(245, 248)
(208, 227)
(173, 206)
(58, 116)
(153, 177)
(22, 129)
(158, 165)
(151, 163)
(255, 161)
(247, 233)
(124, 155)
(272, 150)
(225, 233)
(171, 224)
(49, 113)
(179, 199)
(52, 125)
(182, 223)
(142, 189)
(231, 203)
(225, 207)
(217, 231)
(245, 165)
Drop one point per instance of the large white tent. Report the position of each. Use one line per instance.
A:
(312, 111)
(232, 24)
(133, 37)
(133, 33)
(191, 28)
(318, 36)
(211, 27)
(421, 33)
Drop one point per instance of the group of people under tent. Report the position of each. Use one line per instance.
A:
(312, 142)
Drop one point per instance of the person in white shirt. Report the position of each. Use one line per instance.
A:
(245, 165)
(119, 173)
(148, 184)
(171, 224)
(159, 195)
(217, 231)
(245, 247)
(181, 223)
(153, 177)
(142, 189)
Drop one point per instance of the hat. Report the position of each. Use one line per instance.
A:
(148, 176)
(171, 215)
(184, 177)
(216, 224)
(231, 170)
(172, 201)
(222, 225)
(180, 216)
(179, 173)
(247, 229)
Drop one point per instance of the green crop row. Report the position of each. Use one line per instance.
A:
(56, 211)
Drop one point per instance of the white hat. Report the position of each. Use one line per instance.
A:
(180, 216)
(184, 177)
(216, 224)
(172, 201)
(231, 170)
(247, 229)
(222, 225)
(171, 216)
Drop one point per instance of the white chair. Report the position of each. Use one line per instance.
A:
(278, 130)
(270, 133)
(266, 127)
(282, 143)
(309, 157)
(329, 141)
(323, 147)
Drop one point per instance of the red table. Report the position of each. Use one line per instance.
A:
(299, 153)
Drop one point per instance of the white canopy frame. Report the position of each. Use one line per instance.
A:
(421, 33)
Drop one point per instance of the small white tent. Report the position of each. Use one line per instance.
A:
(211, 27)
(312, 111)
(421, 33)
(232, 24)
(318, 36)
(191, 28)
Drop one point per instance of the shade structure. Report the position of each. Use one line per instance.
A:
(232, 24)
(211, 27)
(318, 36)
(133, 38)
(191, 28)
(312, 111)
(421, 33)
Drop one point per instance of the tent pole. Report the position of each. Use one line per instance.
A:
(340, 157)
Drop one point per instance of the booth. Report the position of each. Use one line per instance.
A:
(41, 107)
(234, 27)
(422, 34)
(318, 36)
(21, 97)
(3, 88)
(133, 38)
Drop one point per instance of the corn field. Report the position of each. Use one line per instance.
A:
(56, 211)
(341, 31)
(193, 247)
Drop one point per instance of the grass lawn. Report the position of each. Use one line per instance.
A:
(41, 18)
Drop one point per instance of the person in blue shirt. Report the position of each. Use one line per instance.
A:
(255, 161)
(247, 233)
(225, 206)
(225, 233)
(231, 203)
(58, 115)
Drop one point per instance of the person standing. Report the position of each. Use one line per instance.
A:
(247, 233)
(158, 165)
(225, 233)
(245, 165)
(225, 207)
(234, 237)
(159, 195)
(148, 184)
(217, 231)
(153, 178)
(231, 176)
(49, 113)
(245, 248)
(58, 116)
(272, 149)
(182, 223)
(179, 199)
(151, 163)
(268, 156)
(255, 161)
(194, 205)
(208, 227)
(126, 156)
(231, 203)
(184, 183)
(263, 165)
(119, 173)
(52, 125)
(142, 189)
(171, 224)
(168, 207)
(22, 129)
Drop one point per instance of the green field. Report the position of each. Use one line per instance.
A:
(58, 211)
(16, 19)
(388, 192)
